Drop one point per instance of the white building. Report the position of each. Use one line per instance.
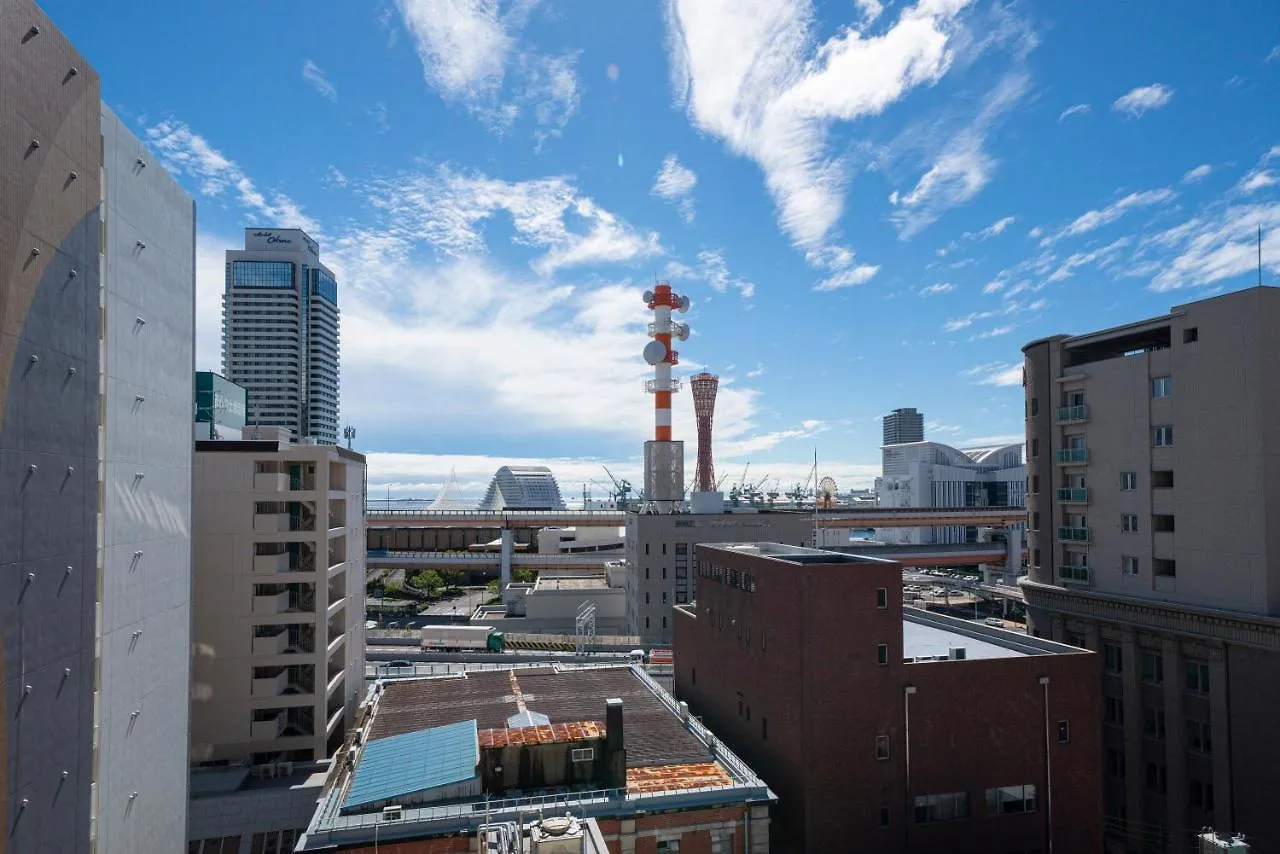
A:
(930, 474)
(280, 332)
(522, 488)
(278, 620)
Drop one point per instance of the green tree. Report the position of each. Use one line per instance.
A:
(428, 581)
(524, 576)
(452, 578)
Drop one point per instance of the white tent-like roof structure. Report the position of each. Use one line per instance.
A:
(450, 496)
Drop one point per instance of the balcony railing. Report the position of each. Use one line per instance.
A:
(1073, 495)
(271, 644)
(1069, 414)
(1073, 535)
(1073, 572)
(1068, 456)
(266, 730)
(270, 482)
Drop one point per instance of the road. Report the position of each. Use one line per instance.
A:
(459, 606)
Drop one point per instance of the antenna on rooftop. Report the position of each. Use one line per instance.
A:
(1259, 256)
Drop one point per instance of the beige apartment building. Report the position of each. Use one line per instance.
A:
(278, 614)
(659, 550)
(1153, 465)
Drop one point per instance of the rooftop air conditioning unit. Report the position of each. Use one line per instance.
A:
(957, 653)
(392, 813)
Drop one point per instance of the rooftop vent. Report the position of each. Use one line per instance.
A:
(956, 653)
(392, 813)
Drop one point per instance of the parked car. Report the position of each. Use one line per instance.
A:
(400, 662)
(994, 621)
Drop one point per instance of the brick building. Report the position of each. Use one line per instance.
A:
(882, 728)
(432, 760)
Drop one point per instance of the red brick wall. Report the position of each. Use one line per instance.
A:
(448, 845)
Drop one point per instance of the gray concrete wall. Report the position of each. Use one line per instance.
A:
(145, 627)
(49, 406)
(254, 810)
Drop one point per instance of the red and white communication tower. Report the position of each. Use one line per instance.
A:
(704, 387)
(663, 458)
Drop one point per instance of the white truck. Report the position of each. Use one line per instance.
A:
(461, 639)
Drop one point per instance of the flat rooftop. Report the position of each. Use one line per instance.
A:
(578, 582)
(793, 554)
(927, 635)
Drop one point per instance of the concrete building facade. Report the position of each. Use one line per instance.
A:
(903, 425)
(279, 616)
(280, 332)
(884, 729)
(97, 254)
(1153, 463)
(659, 554)
(931, 474)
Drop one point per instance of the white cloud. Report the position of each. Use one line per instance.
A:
(472, 53)
(993, 441)
(1258, 179)
(958, 323)
(1196, 174)
(448, 209)
(1095, 219)
(1074, 110)
(1036, 232)
(1103, 257)
(675, 183)
(1273, 54)
(962, 168)
(759, 80)
(997, 228)
(995, 373)
(713, 267)
(1218, 246)
(336, 177)
(996, 331)
(211, 267)
(758, 372)
(187, 153)
(935, 289)
(313, 74)
(848, 278)
(379, 113)
(1139, 100)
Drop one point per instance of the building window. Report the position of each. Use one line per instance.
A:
(1164, 568)
(664, 622)
(1163, 436)
(1162, 387)
(1035, 557)
(1113, 710)
(882, 597)
(884, 816)
(1115, 762)
(646, 597)
(764, 729)
(1162, 479)
(1129, 523)
(1128, 480)
(1152, 667)
(949, 807)
(748, 713)
(1162, 522)
(1197, 677)
(646, 622)
(646, 548)
(693, 675)
(1129, 565)
(1035, 521)
(671, 846)
(664, 597)
(1156, 778)
(1113, 658)
(1199, 738)
(1191, 335)
(1064, 732)
(882, 747)
(1008, 800)
(1035, 447)
(274, 841)
(882, 653)
(1035, 406)
(664, 548)
(1201, 795)
(1035, 484)
(664, 573)
(1153, 723)
(682, 597)
(646, 573)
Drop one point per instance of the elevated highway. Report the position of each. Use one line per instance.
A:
(377, 559)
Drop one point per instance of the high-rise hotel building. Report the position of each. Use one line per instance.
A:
(280, 333)
(1154, 470)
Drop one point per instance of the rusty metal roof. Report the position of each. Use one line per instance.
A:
(545, 734)
(667, 778)
(652, 733)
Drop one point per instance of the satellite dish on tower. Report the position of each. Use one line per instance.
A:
(826, 496)
(655, 352)
(681, 331)
(647, 296)
(683, 305)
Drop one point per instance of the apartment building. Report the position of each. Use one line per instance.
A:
(903, 425)
(882, 728)
(279, 589)
(1152, 469)
(97, 297)
(659, 556)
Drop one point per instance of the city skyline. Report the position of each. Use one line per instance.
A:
(495, 206)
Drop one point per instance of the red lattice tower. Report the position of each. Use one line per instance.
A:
(704, 387)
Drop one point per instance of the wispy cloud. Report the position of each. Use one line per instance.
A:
(848, 278)
(675, 183)
(758, 372)
(186, 153)
(962, 168)
(1258, 179)
(1217, 246)
(1095, 219)
(335, 177)
(1074, 110)
(472, 53)
(379, 113)
(1138, 101)
(1200, 172)
(936, 289)
(996, 332)
(1103, 257)
(713, 267)
(313, 74)
(1273, 54)
(764, 84)
(995, 373)
(997, 228)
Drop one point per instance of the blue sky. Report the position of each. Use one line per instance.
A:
(870, 204)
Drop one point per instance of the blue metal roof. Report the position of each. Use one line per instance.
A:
(402, 765)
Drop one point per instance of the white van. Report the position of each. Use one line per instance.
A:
(636, 656)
